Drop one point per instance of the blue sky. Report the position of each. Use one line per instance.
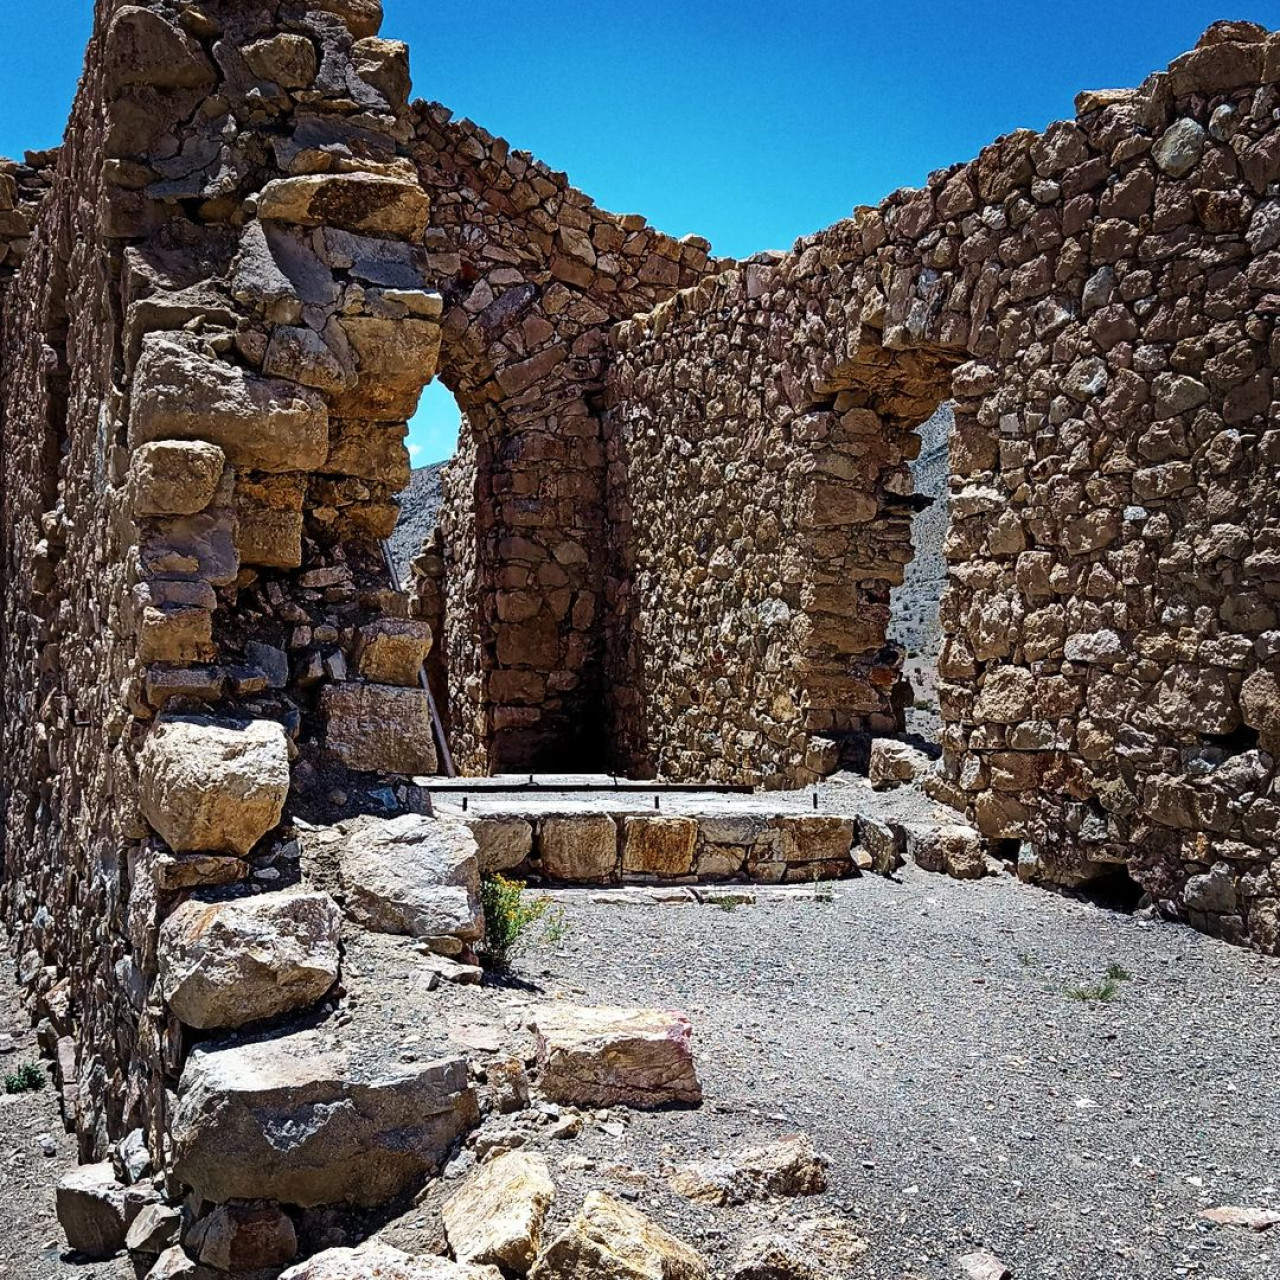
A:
(750, 123)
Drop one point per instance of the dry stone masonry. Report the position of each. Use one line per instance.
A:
(682, 502)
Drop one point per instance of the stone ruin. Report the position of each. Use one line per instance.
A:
(681, 502)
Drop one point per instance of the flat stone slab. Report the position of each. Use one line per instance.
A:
(610, 1056)
(290, 1119)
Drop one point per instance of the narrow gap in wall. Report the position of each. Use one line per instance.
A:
(913, 620)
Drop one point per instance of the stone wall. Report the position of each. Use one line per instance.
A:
(217, 332)
(534, 275)
(1098, 300)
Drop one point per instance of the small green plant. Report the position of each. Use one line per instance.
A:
(1118, 973)
(27, 1079)
(1105, 990)
(823, 890)
(509, 915)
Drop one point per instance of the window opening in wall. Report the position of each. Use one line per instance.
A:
(913, 621)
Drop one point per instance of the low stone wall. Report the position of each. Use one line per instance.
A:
(1098, 301)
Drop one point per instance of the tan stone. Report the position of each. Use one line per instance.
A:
(352, 202)
(379, 728)
(263, 424)
(269, 520)
(789, 1167)
(497, 1216)
(211, 787)
(95, 1211)
(392, 651)
(609, 1057)
(174, 477)
(374, 1259)
(659, 846)
(610, 1239)
(229, 963)
(287, 59)
(581, 847)
(503, 843)
(142, 49)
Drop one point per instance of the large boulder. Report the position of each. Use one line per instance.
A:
(612, 1241)
(290, 1120)
(498, 1214)
(261, 424)
(374, 1259)
(230, 963)
(95, 1211)
(789, 1167)
(607, 1057)
(413, 875)
(210, 787)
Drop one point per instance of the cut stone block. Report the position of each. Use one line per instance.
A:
(174, 477)
(232, 963)
(659, 846)
(211, 787)
(957, 850)
(503, 843)
(288, 1120)
(608, 1057)
(608, 1238)
(392, 651)
(379, 728)
(583, 847)
(497, 1216)
(262, 424)
(413, 875)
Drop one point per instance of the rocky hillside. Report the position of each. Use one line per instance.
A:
(419, 507)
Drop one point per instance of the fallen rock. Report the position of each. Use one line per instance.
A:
(413, 875)
(232, 963)
(174, 1264)
(816, 1249)
(95, 1211)
(392, 651)
(154, 1230)
(981, 1265)
(498, 1214)
(606, 1057)
(210, 787)
(1230, 1215)
(246, 1236)
(376, 1261)
(955, 849)
(611, 1241)
(790, 1167)
(893, 763)
(288, 1120)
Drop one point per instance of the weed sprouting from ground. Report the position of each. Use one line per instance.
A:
(823, 890)
(510, 916)
(27, 1079)
(1103, 990)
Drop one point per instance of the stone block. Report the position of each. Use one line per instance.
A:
(893, 763)
(174, 477)
(497, 1216)
(659, 846)
(95, 1211)
(379, 728)
(213, 787)
(503, 843)
(392, 651)
(606, 1057)
(580, 847)
(229, 963)
(369, 202)
(359, 1129)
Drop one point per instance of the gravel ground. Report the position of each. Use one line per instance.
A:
(31, 1243)
(920, 1032)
